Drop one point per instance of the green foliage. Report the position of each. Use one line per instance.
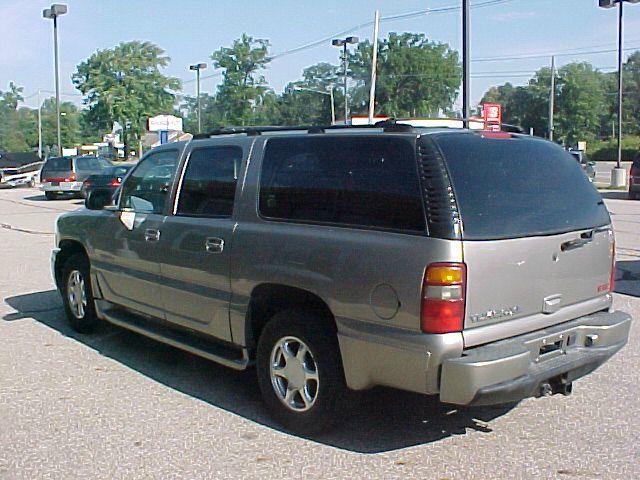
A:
(608, 150)
(12, 123)
(415, 78)
(308, 101)
(243, 87)
(125, 84)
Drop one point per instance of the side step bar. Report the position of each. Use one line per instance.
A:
(209, 348)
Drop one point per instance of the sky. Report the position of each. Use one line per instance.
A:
(502, 33)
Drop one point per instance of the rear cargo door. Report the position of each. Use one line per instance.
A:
(536, 235)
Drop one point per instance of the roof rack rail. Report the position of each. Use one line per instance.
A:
(388, 126)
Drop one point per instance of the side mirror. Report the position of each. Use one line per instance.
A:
(98, 199)
(591, 164)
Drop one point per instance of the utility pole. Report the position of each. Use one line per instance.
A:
(374, 67)
(552, 97)
(466, 77)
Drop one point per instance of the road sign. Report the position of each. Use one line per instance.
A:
(492, 114)
(165, 122)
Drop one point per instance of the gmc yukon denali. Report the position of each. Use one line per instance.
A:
(476, 266)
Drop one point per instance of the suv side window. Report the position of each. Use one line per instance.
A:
(354, 181)
(147, 188)
(209, 182)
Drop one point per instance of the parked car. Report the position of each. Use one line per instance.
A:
(588, 167)
(476, 266)
(19, 169)
(109, 180)
(64, 175)
(634, 178)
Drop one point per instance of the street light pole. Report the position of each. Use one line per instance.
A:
(620, 84)
(197, 67)
(466, 77)
(39, 126)
(330, 93)
(343, 43)
(53, 13)
(618, 174)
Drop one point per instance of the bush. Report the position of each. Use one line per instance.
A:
(608, 151)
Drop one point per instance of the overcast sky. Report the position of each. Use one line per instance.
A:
(190, 30)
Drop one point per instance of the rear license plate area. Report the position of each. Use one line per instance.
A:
(55, 184)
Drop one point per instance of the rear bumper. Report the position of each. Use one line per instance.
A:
(62, 187)
(516, 368)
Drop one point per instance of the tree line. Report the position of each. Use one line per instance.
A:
(416, 77)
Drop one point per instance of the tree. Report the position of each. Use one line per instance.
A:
(242, 87)
(631, 92)
(11, 137)
(581, 102)
(304, 102)
(416, 77)
(125, 84)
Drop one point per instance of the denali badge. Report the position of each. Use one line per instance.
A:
(494, 314)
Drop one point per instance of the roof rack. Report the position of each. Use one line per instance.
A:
(387, 126)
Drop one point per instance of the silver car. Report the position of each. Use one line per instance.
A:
(475, 266)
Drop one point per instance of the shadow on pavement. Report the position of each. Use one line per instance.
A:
(376, 421)
(42, 198)
(628, 277)
(615, 194)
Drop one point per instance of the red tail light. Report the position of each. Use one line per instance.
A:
(116, 182)
(86, 183)
(72, 178)
(443, 298)
(635, 170)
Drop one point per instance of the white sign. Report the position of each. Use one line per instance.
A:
(165, 122)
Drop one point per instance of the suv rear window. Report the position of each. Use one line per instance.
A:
(518, 187)
(354, 181)
(57, 164)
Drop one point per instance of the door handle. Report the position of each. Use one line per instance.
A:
(214, 245)
(151, 235)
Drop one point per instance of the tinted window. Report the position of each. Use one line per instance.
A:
(57, 164)
(209, 183)
(147, 188)
(88, 163)
(360, 181)
(517, 187)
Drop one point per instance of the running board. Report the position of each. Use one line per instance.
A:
(209, 348)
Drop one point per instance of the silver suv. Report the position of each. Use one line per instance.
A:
(476, 266)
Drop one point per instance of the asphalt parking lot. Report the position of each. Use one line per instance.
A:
(117, 405)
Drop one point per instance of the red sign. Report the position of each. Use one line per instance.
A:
(492, 113)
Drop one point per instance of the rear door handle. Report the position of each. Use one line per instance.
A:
(585, 238)
(151, 235)
(214, 245)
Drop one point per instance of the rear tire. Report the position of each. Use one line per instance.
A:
(49, 195)
(299, 371)
(77, 295)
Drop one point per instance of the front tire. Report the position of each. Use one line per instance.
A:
(299, 371)
(77, 295)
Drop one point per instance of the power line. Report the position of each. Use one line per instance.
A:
(360, 26)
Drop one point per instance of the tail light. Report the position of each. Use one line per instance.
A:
(86, 183)
(443, 298)
(71, 178)
(116, 182)
(635, 170)
(612, 277)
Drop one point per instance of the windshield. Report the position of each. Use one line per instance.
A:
(518, 187)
